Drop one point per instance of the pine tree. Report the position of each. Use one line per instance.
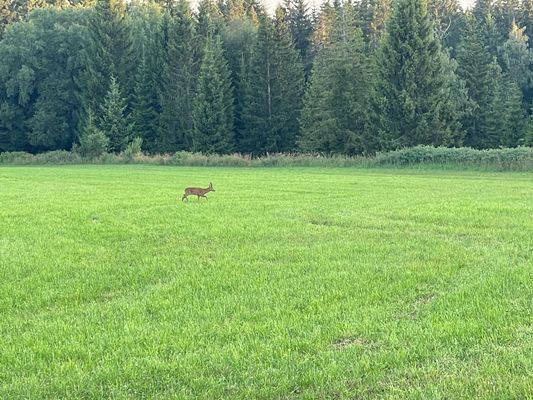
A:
(482, 9)
(335, 106)
(374, 15)
(273, 97)
(110, 53)
(517, 61)
(448, 21)
(411, 84)
(516, 119)
(239, 37)
(178, 78)
(301, 30)
(210, 21)
(115, 122)
(483, 79)
(526, 16)
(213, 103)
(146, 107)
(323, 25)
(93, 142)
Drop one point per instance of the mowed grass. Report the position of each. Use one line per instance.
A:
(285, 284)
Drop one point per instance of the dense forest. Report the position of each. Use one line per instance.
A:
(347, 78)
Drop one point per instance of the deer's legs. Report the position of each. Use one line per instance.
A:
(184, 197)
(204, 196)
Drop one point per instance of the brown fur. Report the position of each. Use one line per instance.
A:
(197, 192)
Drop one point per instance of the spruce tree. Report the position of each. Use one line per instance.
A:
(109, 53)
(213, 103)
(374, 15)
(146, 107)
(273, 97)
(335, 105)
(239, 37)
(517, 61)
(323, 25)
(178, 78)
(516, 118)
(301, 30)
(448, 21)
(210, 21)
(526, 16)
(409, 97)
(483, 79)
(115, 121)
(92, 141)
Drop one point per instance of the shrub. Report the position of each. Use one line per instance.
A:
(133, 149)
(16, 157)
(93, 144)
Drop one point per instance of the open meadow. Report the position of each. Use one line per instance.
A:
(287, 283)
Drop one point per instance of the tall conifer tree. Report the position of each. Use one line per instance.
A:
(110, 53)
(273, 97)
(411, 83)
(335, 107)
(213, 103)
(483, 78)
(178, 78)
(115, 121)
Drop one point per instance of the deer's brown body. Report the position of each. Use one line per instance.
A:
(192, 191)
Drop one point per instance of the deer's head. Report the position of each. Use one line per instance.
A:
(211, 187)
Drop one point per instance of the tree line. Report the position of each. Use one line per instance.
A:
(348, 78)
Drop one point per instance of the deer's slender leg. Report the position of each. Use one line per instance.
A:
(204, 196)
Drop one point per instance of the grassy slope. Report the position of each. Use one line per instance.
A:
(287, 283)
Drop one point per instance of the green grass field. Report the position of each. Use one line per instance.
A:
(285, 284)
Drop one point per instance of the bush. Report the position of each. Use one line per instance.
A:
(506, 159)
(92, 149)
(93, 143)
(133, 149)
(16, 157)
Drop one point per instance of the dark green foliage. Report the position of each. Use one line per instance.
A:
(412, 101)
(517, 159)
(525, 18)
(301, 30)
(109, 53)
(93, 142)
(115, 121)
(238, 41)
(213, 103)
(273, 92)
(335, 106)
(40, 62)
(374, 15)
(448, 21)
(146, 106)
(146, 26)
(323, 22)
(133, 149)
(440, 76)
(496, 118)
(517, 61)
(178, 77)
(515, 124)
(210, 22)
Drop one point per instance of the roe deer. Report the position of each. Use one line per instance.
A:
(197, 192)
